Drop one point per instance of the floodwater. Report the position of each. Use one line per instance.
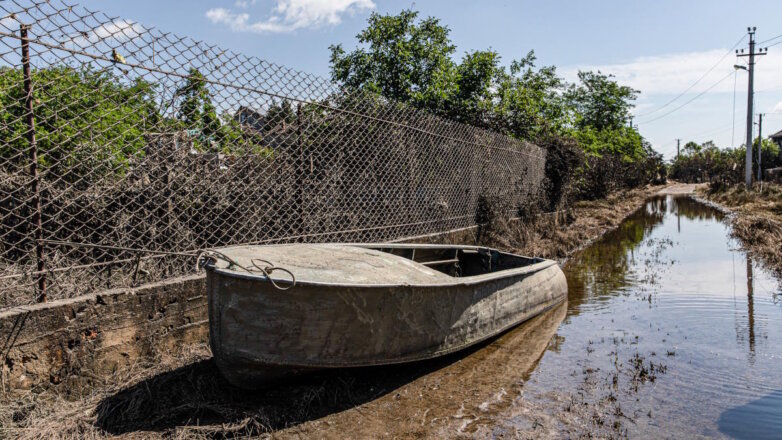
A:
(669, 331)
(671, 288)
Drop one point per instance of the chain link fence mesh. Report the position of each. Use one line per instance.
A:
(125, 149)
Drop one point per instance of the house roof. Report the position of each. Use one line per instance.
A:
(777, 135)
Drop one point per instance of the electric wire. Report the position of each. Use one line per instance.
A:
(771, 39)
(730, 51)
(690, 100)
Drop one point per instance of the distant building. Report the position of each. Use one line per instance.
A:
(777, 137)
(249, 118)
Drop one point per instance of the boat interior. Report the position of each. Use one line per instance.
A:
(459, 261)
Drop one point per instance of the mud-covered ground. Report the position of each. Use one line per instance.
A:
(558, 235)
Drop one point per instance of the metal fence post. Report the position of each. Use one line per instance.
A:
(35, 184)
(300, 172)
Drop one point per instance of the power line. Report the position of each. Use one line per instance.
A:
(690, 100)
(730, 51)
(771, 39)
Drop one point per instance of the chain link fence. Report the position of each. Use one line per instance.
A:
(125, 149)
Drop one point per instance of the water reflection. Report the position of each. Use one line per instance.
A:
(467, 396)
(758, 420)
(750, 311)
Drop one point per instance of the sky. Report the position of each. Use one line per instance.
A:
(679, 54)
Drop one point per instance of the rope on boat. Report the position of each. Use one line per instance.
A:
(266, 270)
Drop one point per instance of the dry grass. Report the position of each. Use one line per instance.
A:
(556, 236)
(757, 222)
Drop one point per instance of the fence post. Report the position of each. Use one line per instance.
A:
(300, 172)
(35, 184)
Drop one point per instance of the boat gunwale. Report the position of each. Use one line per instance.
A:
(542, 264)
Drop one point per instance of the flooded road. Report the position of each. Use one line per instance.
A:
(669, 331)
(670, 290)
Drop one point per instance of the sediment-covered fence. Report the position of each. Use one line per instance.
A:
(124, 150)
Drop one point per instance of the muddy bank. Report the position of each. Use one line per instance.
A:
(558, 235)
(756, 219)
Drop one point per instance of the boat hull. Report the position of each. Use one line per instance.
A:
(260, 334)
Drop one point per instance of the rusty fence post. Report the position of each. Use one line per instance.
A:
(300, 178)
(35, 184)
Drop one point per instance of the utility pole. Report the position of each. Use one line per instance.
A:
(678, 141)
(750, 98)
(760, 147)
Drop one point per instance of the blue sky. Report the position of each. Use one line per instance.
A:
(659, 47)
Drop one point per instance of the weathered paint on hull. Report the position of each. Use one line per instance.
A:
(260, 334)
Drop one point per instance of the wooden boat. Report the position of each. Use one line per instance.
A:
(357, 305)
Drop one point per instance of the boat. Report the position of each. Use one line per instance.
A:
(277, 311)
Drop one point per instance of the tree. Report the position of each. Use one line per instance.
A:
(196, 110)
(600, 102)
(530, 100)
(405, 59)
(410, 60)
(213, 132)
(280, 115)
(88, 122)
(402, 59)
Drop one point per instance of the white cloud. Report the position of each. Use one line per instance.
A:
(674, 73)
(778, 108)
(9, 24)
(289, 15)
(244, 4)
(118, 31)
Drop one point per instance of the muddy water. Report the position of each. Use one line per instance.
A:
(669, 331)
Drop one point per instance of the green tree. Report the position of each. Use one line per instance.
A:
(280, 114)
(196, 110)
(530, 101)
(213, 132)
(400, 58)
(89, 122)
(600, 102)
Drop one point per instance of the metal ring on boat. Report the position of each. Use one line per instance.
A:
(205, 256)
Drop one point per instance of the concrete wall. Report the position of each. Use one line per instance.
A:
(69, 343)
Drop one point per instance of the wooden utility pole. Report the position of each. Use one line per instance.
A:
(750, 99)
(678, 141)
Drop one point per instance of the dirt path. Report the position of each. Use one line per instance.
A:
(681, 189)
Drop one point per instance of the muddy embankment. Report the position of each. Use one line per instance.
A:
(553, 235)
(756, 218)
(178, 393)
